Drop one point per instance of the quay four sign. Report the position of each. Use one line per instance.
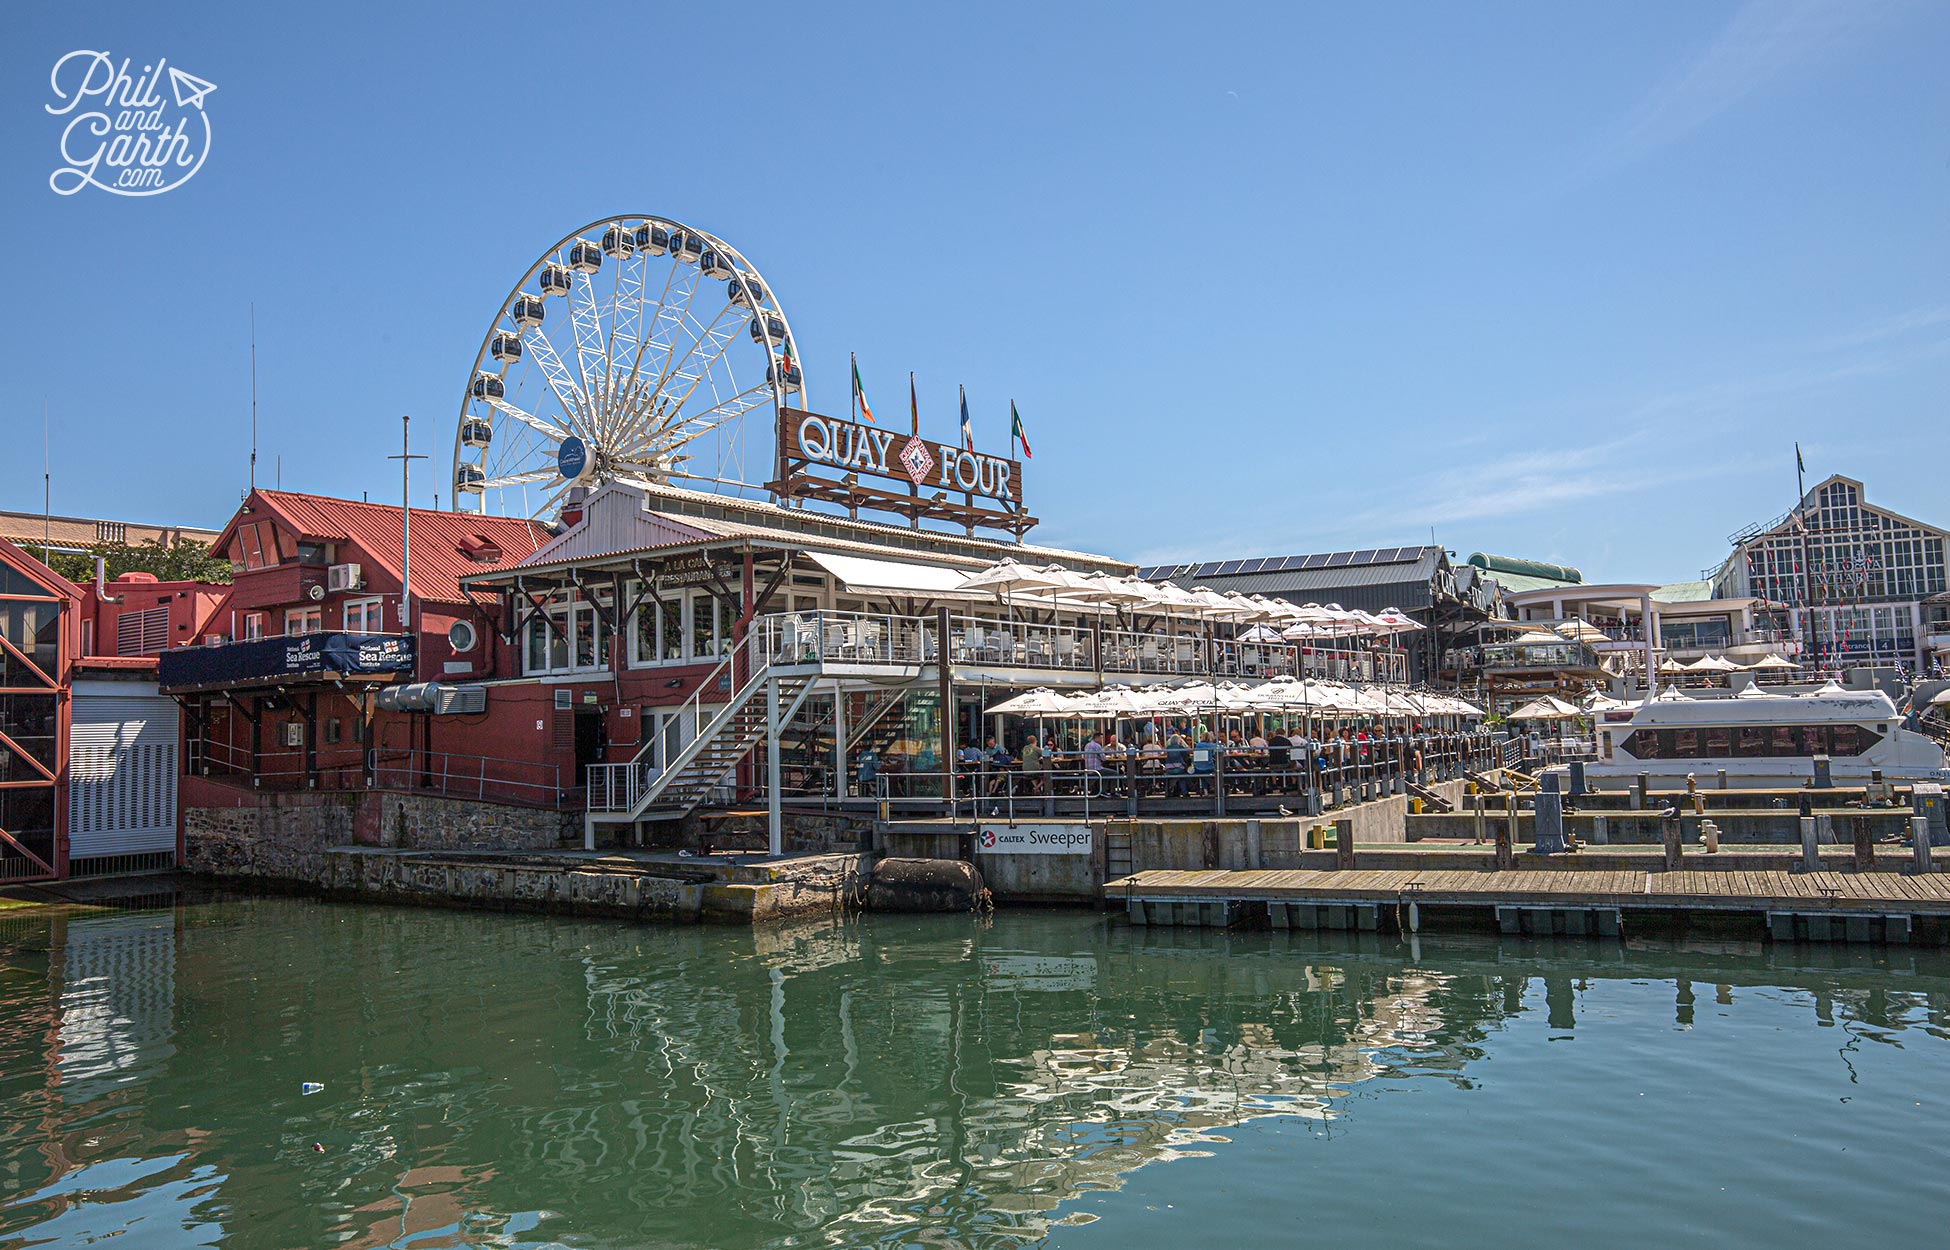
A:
(851, 447)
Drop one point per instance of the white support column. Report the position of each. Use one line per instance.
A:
(1648, 627)
(774, 818)
(839, 742)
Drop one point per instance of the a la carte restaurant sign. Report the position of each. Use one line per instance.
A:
(1041, 839)
(853, 447)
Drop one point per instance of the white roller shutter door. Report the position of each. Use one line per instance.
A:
(122, 775)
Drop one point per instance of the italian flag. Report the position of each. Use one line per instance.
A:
(1015, 429)
(860, 394)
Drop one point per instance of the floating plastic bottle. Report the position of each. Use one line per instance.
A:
(308, 1088)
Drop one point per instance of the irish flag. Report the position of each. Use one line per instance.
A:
(860, 393)
(1015, 428)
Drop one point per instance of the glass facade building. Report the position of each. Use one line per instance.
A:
(1856, 578)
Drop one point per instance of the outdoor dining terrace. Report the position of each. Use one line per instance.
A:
(1090, 651)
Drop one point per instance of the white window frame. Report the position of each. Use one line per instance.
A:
(370, 612)
(565, 613)
(313, 618)
(253, 626)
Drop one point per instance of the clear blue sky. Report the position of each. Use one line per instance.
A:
(1559, 280)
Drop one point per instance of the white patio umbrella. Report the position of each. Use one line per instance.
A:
(1397, 621)
(1550, 707)
(1773, 661)
(1042, 701)
(1712, 664)
(1011, 577)
(1260, 633)
(1670, 665)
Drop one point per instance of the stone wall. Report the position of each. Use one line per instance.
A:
(233, 832)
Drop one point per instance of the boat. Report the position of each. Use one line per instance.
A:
(1764, 738)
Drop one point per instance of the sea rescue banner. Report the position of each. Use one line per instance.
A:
(1045, 839)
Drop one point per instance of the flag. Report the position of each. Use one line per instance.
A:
(860, 394)
(967, 430)
(1015, 429)
(913, 406)
(1800, 465)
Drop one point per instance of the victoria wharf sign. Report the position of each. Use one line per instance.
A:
(809, 439)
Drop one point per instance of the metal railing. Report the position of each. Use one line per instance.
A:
(452, 774)
(795, 639)
(1309, 776)
(621, 787)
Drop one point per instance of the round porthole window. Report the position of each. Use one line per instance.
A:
(461, 636)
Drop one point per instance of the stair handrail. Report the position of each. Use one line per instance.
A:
(706, 733)
(694, 705)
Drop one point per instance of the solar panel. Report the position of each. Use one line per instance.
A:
(1363, 557)
(1254, 566)
(1339, 559)
(1229, 567)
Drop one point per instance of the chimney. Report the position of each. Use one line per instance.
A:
(572, 507)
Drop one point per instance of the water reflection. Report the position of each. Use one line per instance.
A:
(523, 1081)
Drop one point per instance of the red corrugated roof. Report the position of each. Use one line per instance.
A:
(440, 539)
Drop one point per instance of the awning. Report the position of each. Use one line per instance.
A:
(863, 576)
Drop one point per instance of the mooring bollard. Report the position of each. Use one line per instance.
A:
(1865, 847)
(1344, 844)
(1709, 837)
(1723, 779)
(1600, 830)
(1506, 836)
(1919, 833)
(1810, 838)
(1578, 789)
(1550, 818)
(1823, 776)
(1642, 792)
(1481, 819)
(1669, 836)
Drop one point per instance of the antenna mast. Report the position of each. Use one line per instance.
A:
(254, 395)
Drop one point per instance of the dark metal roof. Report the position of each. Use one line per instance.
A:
(1288, 564)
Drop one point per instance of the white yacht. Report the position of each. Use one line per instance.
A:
(1763, 738)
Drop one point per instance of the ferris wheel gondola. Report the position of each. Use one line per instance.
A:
(613, 358)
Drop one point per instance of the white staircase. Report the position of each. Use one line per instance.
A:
(766, 702)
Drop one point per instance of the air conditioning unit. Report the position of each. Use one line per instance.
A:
(343, 577)
(294, 733)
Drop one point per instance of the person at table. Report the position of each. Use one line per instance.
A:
(1034, 762)
(1151, 759)
(1279, 757)
(1000, 762)
(1093, 762)
(1178, 762)
(1205, 761)
(868, 769)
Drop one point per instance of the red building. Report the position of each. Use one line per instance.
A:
(140, 615)
(315, 624)
(40, 638)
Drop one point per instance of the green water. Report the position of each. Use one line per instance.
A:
(1048, 1079)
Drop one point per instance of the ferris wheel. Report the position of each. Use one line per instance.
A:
(618, 355)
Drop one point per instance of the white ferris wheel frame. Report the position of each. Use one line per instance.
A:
(642, 440)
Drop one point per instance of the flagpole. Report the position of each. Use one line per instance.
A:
(853, 380)
(913, 431)
(968, 443)
(1807, 568)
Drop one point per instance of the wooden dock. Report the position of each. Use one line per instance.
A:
(1813, 906)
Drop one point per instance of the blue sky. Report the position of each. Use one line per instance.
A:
(1564, 281)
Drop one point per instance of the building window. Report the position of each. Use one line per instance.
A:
(330, 730)
(681, 626)
(304, 621)
(253, 626)
(461, 637)
(569, 636)
(365, 616)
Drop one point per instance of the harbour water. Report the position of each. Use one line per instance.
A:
(1047, 1079)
